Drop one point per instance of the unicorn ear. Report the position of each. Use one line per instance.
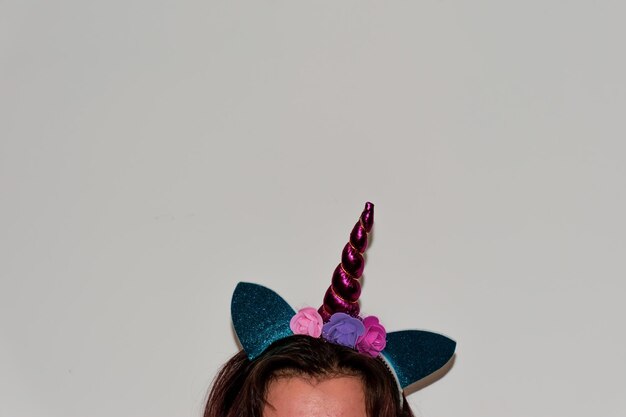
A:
(260, 317)
(415, 354)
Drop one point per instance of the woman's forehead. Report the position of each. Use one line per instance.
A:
(307, 397)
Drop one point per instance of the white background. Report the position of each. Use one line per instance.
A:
(154, 153)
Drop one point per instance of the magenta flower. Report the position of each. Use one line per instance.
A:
(307, 321)
(343, 330)
(374, 339)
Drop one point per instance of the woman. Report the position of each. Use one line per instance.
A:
(302, 376)
(328, 362)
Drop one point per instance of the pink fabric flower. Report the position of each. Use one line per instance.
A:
(307, 321)
(374, 340)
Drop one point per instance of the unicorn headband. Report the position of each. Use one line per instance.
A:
(261, 317)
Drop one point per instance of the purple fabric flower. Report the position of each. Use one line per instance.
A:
(374, 339)
(343, 330)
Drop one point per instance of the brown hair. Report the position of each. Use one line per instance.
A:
(240, 388)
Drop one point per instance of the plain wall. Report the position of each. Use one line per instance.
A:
(153, 154)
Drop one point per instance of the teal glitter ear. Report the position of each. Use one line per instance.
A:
(260, 317)
(415, 354)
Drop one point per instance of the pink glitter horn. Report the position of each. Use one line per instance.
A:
(345, 289)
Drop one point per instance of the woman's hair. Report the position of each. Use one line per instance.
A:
(240, 388)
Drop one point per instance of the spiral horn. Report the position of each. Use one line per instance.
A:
(345, 288)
